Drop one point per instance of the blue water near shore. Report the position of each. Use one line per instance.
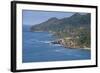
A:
(37, 48)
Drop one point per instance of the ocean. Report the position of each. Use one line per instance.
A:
(37, 47)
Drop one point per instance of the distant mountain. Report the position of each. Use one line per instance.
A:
(73, 31)
(26, 28)
(55, 24)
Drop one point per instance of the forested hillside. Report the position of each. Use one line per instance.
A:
(73, 31)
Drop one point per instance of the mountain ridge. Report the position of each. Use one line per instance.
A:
(73, 31)
(74, 20)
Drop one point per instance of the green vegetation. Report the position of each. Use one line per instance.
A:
(84, 38)
(74, 30)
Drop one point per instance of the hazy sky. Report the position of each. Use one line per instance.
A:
(32, 17)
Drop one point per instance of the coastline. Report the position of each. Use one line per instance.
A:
(69, 45)
(66, 42)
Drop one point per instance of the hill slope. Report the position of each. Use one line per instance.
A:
(77, 27)
(55, 24)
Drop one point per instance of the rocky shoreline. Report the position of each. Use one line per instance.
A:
(69, 43)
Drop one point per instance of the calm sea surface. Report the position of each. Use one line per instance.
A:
(37, 48)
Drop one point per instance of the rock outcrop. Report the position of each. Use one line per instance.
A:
(67, 42)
